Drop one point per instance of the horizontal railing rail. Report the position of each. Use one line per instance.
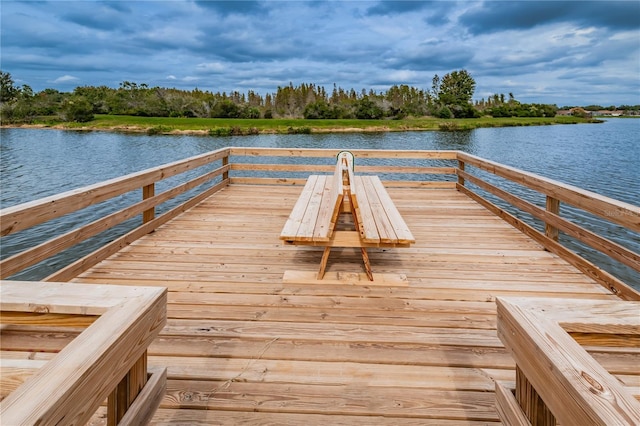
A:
(20, 217)
(555, 194)
(406, 163)
(331, 153)
(32, 213)
(312, 168)
(616, 211)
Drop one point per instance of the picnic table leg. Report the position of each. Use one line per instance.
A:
(323, 262)
(367, 264)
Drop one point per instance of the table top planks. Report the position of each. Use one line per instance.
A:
(368, 228)
(316, 212)
(329, 210)
(382, 222)
(294, 221)
(402, 233)
(310, 217)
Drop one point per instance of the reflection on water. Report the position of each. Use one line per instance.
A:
(604, 158)
(460, 141)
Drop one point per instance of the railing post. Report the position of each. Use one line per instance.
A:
(461, 168)
(148, 191)
(126, 391)
(553, 206)
(532, 405)
(225, 162)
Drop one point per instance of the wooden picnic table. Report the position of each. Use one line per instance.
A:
(314, 218)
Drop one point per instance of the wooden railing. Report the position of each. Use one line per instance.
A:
(399, 172)
(556, 193)
(291, 166)
(27, 215)
(108, 360)
(557, 381)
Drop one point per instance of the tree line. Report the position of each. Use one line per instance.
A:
(449, 96)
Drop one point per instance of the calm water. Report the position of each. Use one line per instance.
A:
(604, 158)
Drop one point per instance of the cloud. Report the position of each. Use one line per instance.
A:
(105, 19)
(387, 7)
(533, 47)
(225, 8)
(434, 12)
(210, 67)
(66, 79)
(495, 16)
(432, 55)
(556, 47)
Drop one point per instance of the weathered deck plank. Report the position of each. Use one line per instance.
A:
(241, 346)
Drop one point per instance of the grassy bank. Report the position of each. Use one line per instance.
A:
(235, 126)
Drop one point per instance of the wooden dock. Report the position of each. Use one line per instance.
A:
(244, 346)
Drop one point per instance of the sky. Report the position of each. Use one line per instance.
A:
(556, 52)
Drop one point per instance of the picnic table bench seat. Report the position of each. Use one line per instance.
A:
(376, 219)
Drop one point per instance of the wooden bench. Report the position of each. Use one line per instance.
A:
(314, 218)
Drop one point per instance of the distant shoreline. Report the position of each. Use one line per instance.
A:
(240, 127)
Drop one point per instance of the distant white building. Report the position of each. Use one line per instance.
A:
(608, 113)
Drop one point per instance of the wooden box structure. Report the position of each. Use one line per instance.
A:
(556, 379)
(106, 361)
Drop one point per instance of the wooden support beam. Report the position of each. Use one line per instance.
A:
(148, 191)
(622, 213)
(323, 262)
(508, 407)
(126, 391)
(367, 263)
(553, 206)
(22, 260)
(532, 405)
(225, 162)
(461, 168)
(145, 405)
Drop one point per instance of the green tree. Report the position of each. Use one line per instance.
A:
(444, 112)
(316, 110)
(8, 91)
(435, 86)
(366, 109)
(321, 109)
(456, 88)
(249, 112)
(97, 96)
(464, 111)
(226, 109)
(77, 109)
(49, 101)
